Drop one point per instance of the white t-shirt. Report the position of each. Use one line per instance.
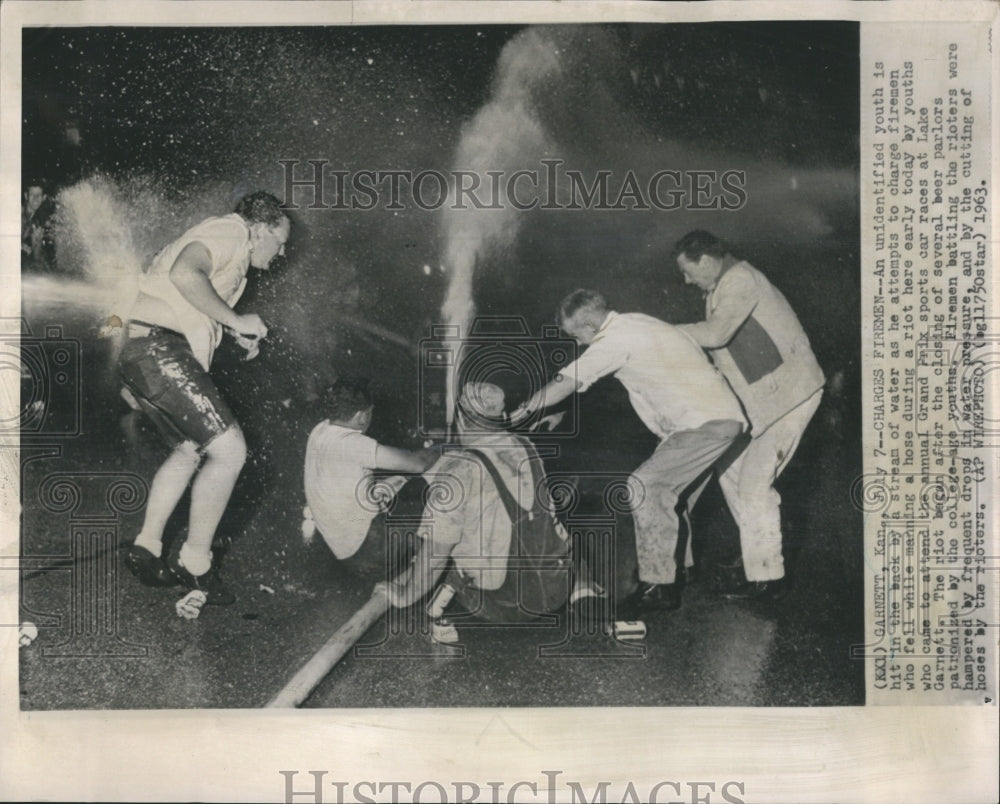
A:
(338, 477)
(228, 242)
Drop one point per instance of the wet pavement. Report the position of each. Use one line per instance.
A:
(106, 642)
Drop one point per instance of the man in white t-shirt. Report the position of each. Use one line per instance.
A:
(346, 503)
(677, 394)
(185, 302)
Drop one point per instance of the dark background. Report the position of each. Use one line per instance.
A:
(180, 122)
(165, 126)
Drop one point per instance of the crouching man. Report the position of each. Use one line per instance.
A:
(488, 517)
(346, 502)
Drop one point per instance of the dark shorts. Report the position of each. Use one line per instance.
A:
(169, 384)
(391, 542)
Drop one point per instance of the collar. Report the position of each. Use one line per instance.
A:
(727, 262)
(611, 316)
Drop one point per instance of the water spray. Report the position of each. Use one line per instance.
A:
(504, 135)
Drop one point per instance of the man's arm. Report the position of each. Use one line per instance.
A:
(602, 357)
(558, 389)
(190, 274)
(393, 459)
(737, 298)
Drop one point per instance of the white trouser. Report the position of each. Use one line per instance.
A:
(748, 485)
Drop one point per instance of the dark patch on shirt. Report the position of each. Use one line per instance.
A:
(753, 351)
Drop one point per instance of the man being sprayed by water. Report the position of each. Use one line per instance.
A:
(186, 298)
(488, 517)
(678, 395)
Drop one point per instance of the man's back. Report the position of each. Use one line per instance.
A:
(338, 465)
(227, 241)
(465, 515)
(772, 390)
(670, 382)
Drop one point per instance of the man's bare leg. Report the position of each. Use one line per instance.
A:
(169, 484)
(213, 486)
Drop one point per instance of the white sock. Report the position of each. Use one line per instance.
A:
(195, 561)
(149, 543)
(585, 589)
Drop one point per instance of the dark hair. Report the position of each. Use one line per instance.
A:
(694, 245)
(579, 299)
(36, 181)
(260, 207)
(346, 397)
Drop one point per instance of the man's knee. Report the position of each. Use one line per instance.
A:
(187, 453)
(757, 481)
(230, 448)
(636, 492)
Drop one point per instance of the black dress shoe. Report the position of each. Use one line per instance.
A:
(216, 593)
(149, 569)
(220, 546)
(650, 597)
(759, 590)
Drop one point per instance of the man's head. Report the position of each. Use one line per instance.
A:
(581, 315)
(34, 195)
(348, 402)
(699, 256)
(269, 227)
(482, 405)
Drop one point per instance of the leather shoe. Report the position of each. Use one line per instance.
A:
(760, 590)
(149, 569)
(216, 593)
(650, 597)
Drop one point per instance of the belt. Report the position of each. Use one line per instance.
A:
(143, 329)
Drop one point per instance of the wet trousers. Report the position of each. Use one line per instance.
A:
(748, 485)
(657, 486)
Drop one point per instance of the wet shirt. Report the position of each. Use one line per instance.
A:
(756, 340)
(466, 518)
(338, 475)
(671, 384)
(227, 239)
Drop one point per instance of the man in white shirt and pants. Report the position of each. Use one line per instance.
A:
(755, 339)
(677, 394)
